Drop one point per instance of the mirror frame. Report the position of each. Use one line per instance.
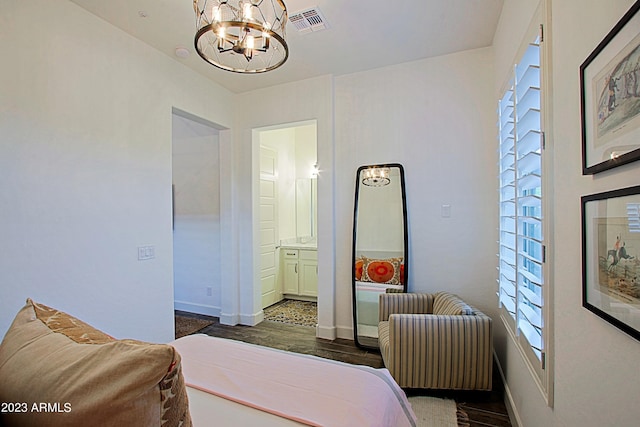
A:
(354, 239)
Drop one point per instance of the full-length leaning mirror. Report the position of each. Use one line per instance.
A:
(379, 245)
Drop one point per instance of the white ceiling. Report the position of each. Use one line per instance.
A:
(362, 34)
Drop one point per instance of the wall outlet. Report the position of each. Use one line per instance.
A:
(209, 291)
(146, 252)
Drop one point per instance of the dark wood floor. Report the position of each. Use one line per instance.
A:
(482, 408)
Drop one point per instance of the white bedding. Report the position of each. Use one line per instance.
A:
(243, 384)
(376, 287)
(210, 410)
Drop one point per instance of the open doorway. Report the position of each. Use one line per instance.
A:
(286, 224)
(196, 214)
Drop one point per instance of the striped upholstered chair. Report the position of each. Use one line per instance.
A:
(435, 341)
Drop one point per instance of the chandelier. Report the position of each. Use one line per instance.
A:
(243, 36)
(376, 177)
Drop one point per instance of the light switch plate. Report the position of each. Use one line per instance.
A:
(445, 211)
(146, 252)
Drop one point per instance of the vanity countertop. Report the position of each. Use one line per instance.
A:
(300, 243)
(311, 246)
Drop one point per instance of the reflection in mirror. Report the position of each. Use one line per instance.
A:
(306, 202)
(379, 245)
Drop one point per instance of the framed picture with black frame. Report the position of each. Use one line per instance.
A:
(610, 98)
(611, 257)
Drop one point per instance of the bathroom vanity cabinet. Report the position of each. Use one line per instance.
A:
(300, 268)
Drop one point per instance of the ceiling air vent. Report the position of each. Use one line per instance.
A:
(308, 20)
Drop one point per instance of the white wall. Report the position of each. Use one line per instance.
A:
(436, 118)
(196, 231)
(596, 365)
(85, 161)
(603, 388)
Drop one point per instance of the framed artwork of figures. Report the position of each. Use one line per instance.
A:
(610, 98)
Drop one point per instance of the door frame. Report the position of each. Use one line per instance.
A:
(255, 190)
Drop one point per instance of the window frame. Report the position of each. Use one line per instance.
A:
(541, 367)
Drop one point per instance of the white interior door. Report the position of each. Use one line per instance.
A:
(268, 227)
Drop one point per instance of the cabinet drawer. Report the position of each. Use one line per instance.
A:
(310, 255)
(290, 253)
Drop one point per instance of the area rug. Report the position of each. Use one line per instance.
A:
(303, 313)
(189, 325)
(434, 412)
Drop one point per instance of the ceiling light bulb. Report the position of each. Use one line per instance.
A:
(250, 42)
(216, 14)
(221, 34)
(246, 11)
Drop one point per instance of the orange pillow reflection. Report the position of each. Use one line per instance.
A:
(359, 266)
(380, 271)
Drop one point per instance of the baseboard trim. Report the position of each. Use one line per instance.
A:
(344, 332)
(229, 319)
(326, 332)
(190, 307)
(252, 319)
(514, 416)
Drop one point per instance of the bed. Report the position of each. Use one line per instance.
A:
(56, 370)
(269, 387)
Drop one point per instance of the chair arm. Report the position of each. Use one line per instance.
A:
(441, 351)
(395, 303)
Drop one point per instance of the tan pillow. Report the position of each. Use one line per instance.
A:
(63, 372)
(449, 304)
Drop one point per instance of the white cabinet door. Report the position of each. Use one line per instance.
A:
(308, 280)
(291, 276)
(308, 273)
